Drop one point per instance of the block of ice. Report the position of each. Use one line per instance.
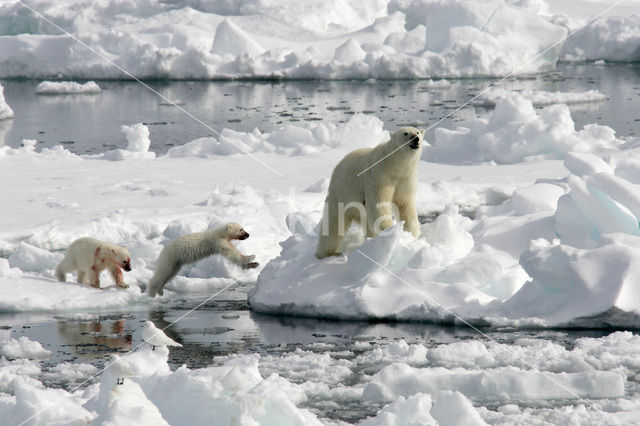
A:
(5, 109)
(570, 283)
(66, 88)
(489, 385)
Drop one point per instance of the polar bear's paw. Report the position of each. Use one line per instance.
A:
(248, 263)
(123, 285)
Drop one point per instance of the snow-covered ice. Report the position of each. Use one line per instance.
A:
(476, 269)
(514, 131)
(5, 109)
(328, 40)
(67, 87)
(540, 97)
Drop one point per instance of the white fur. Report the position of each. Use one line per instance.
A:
(90, 257)
(385, 191)
(193, 247)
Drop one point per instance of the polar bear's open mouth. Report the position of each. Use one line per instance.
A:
(414, 143)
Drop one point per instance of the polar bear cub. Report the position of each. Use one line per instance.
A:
(90, 257)
(193, 247)
(371, 187)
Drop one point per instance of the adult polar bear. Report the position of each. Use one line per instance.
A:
(374, 183)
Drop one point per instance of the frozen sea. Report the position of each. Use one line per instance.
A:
(225, 326)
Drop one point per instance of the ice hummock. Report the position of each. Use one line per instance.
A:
(515, 131)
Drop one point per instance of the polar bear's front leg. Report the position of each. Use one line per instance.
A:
(116, 273)
(380, 208)
(409, 214)
(95, 277)
(230, 252)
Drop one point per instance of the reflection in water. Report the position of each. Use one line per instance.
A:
(89, 339)
(5, 125)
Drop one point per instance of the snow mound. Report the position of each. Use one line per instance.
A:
(539, 97)
(230, 39)
(288, 140)
(23, 347)
(138, 144)
(514, 131)
(358, 284)
(67, 87)
(614, 39)
(557, 253)
(5, 109)
(445, 408)
(349, 52)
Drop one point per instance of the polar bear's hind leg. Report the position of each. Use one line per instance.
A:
(330, 236)
(165, 273)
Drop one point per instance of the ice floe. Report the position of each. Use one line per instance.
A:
(5, 109)
(67, 87)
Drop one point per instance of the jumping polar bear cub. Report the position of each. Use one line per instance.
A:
(193, 247)
(371, 186)
(90, 257)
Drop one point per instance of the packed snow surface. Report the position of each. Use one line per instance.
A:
(341, 39)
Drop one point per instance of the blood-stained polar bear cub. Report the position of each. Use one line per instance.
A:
(372, 186)
(193, 247)
(90, 257)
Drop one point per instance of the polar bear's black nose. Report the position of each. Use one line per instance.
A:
(127, 266)
(414, 143)
(243, 235)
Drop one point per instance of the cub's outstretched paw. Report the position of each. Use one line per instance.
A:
(250, 265)
(123, 285)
